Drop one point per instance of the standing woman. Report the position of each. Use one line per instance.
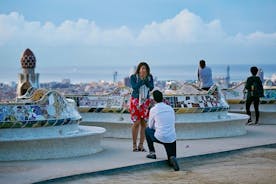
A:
(141, 83)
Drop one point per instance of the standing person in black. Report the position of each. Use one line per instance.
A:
(255, 90)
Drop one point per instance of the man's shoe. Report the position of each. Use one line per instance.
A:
(174, 163)
(151, 156)
(249, 121)
(256, 123)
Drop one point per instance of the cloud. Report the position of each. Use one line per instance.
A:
(185, 28)
(14, 28)
(184, 38)
(257, 38)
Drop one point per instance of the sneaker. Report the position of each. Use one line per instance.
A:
(151, 156)
(249, 121)
(174, 163)
(256, 123)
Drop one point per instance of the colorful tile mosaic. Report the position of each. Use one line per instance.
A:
(236, 95)
(116, 103)
(28, 59)
(41, 109)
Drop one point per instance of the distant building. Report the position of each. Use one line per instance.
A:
(127, 82)
(13, 84)
(224, 82)
(228, 77)
(127, 79)
(28, 78)
(65, 81)
(115, 76)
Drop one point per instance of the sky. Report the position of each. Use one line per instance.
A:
(125, 32)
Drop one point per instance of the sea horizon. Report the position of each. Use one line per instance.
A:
(86, 74)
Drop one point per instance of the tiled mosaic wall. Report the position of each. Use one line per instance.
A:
(181, 103)
(236, 95)
(51, 110)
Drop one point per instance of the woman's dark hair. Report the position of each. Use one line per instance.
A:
(157, 96)
(254, 70)
(202, 63)
(143, 64)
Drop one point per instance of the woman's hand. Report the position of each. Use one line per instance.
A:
(142, 76)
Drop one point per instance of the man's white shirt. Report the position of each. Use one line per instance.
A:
(162, 119)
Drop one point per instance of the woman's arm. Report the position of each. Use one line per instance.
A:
(149, 82)
(136, 83)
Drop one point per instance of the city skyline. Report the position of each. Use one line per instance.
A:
(110, 33)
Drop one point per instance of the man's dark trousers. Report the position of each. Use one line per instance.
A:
(170, 147)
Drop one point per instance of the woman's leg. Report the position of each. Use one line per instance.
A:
(135, 128)
(143, 125)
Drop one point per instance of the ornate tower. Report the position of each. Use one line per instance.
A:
(28, 78)
(228, 77)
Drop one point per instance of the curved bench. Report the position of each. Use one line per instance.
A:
(42, 125)
(235, 98)
(267, 111)
(49, 142)
(188, 126)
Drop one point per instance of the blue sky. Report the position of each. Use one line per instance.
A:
(236, 16)
(109, 32)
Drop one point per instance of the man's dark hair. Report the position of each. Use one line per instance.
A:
(202, 64)
(157, 96)
(254, 70)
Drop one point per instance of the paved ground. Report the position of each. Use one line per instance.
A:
(234, 167)
(117, 153)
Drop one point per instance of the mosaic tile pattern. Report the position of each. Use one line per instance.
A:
(116, 103)
(196, 103)
(237, 96)
(28, 59)
(270, 94)
(52, 109)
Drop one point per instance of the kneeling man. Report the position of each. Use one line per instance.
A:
(161, 129)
